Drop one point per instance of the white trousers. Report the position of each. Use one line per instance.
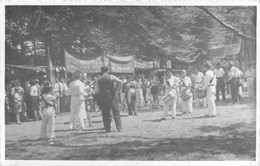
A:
(149, 97)
(170, 105)
(186, 106)
(77, 108)
(48, 120)
(211, 100)
(250, 86)
(139, 97)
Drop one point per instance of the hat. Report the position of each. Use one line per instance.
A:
(76, 74)
(104, 69)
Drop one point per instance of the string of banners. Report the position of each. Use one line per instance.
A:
(117, 64)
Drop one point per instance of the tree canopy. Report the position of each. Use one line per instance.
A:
(171, 32)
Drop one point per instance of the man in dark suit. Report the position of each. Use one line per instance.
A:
(106, 88)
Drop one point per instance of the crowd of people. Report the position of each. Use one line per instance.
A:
(41, 100)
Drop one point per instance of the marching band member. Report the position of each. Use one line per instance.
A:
(171, 97)
(186, 95)
(198, 78)
(210, 85)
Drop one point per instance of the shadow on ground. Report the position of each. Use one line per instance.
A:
(235, 140)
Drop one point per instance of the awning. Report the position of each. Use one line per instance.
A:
(34, 68)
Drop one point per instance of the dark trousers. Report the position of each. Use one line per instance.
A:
(7, 116)
(144, 94)
(234, 90)
(106, 104)
(220, 87)
(228, 87)
(131, 106)
(35, 108)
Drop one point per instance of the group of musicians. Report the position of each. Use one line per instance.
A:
(108, 86)
(181, 88)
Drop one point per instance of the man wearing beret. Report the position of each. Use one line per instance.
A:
(105, 90)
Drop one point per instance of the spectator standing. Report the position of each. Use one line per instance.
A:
(220, 73)
(149, 96)
(139, 93)
(48, 115)
(64, 97)
(210, 85)
(155, 90)
(17, 103)
(234, 79)
(57, 92)
(7, 109)
(34, 98)
(77, 102)
(250, 75)
(131, 99)
(123, 94)
(107, 98)
(198, 79)
(186, 104)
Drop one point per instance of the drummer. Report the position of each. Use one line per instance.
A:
(171, 91)
(198, 78)
(186, 104)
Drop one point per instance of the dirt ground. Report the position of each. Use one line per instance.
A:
(229, 136)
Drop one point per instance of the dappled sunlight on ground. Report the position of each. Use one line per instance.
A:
(228, 136)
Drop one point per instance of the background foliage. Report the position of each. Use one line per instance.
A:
(178, 33)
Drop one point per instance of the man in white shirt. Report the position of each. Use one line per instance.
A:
(77, 102)
(250, 75)
(219, 72)
(34, 96)
(209, 84)
(57, 92)
(198, 79)
(235, 74)
(171, 96)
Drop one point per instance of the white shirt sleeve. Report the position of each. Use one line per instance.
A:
(114, 78)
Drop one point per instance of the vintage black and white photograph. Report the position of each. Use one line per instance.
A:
(130, 83)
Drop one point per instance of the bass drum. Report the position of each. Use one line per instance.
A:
(171, 94)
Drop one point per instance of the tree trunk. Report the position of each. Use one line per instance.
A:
(34, 47)
(49, 69)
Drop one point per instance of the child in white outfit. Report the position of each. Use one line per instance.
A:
(48, 114)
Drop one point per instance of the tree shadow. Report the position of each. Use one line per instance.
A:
(236, 143)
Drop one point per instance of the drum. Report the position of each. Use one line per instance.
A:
(186, 94)
(169, 96)
(201, 93)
